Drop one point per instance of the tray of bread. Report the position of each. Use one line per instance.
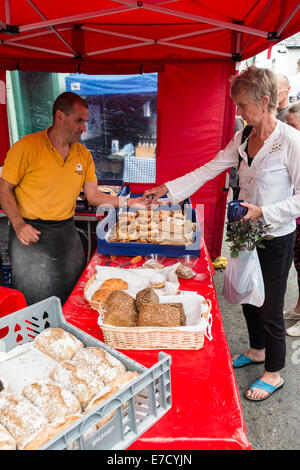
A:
(60, 388)
(170, 230)
(143, 308)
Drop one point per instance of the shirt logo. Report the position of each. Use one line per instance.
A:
(78, 169)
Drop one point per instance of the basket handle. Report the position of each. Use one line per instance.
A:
(208, 302)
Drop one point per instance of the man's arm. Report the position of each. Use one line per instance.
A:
(25, 232)
(97, 198)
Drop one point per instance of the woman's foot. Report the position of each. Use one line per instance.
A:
(256, 355)
(291, 314)
(271, 378)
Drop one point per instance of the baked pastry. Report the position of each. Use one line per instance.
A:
(185, 272)
(121, 315)
(7, 442)
(100, 295)
(159, 315)
(119, 297)
(54, 401)
(21, 418)
(57, 343)
(179, 305)
(114, 284)
(100, 362)
(113, 387)
(78, 379)
(144, 296)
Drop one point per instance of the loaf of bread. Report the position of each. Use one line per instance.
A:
(57, 343)
(119, 297)
(181, 310)
(78, 379)
(100, 362)
(145, 296)
(21, 418)
(161, 315)
(121, 315)
(113, 387)
(54, 401)
(7, 442)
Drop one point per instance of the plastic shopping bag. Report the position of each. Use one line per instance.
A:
(243, 281)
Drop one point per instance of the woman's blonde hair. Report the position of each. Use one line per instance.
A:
(259, 82)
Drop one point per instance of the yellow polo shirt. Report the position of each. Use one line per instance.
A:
(47, 186)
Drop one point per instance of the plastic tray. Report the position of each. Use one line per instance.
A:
(137, 406)
(82, 205)
(143, 249)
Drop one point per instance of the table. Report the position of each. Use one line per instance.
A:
(206, 411)
(11, 300)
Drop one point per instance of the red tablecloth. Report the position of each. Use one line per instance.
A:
(11, 300)
(206, 411)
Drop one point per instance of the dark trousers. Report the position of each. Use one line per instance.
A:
(49, 267)
(297, 255)
(265, 324)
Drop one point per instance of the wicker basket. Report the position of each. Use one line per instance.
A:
(93, 303)
(154, 338)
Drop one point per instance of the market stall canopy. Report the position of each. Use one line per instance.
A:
(135, 35)
(111, 84)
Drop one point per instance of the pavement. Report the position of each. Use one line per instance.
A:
(273, 424)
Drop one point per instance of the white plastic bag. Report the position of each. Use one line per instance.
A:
(243, 281)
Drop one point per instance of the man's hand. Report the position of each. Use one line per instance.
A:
(27, 234)
(155, 193)
(254, 212)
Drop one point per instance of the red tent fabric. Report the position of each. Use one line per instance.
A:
(193, 44)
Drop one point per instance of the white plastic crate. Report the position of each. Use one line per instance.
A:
(137, 406)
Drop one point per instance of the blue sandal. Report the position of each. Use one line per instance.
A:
(242, 361)
(266, 387)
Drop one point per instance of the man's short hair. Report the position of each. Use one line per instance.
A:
(65, 103)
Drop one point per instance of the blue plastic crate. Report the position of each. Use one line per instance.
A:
(82, 205)
(143, 249)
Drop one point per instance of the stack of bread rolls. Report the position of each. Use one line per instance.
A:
(83, 378)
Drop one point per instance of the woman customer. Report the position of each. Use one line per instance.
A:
(292, 118)
(268, 173)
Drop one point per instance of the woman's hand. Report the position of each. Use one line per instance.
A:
(254, 212)
(155, 193)
(139, 202)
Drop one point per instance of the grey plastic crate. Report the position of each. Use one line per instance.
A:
(136, 407)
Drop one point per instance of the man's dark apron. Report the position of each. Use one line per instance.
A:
(50, 266)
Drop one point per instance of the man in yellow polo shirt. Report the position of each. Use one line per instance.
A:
(42, 177)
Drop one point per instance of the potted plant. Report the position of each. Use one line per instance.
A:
(246, 236)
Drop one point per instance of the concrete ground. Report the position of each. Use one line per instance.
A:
(273, 424)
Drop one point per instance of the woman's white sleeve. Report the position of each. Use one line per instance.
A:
(183, 187)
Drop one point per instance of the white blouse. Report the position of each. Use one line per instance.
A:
(272, 182)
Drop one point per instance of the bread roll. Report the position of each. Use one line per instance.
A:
(54, 401)
(7, 442)
(100, 295)
(144, 296)
(57, 343)
(103, 364)
(78, 379)
(159, 315)
(21, 418)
